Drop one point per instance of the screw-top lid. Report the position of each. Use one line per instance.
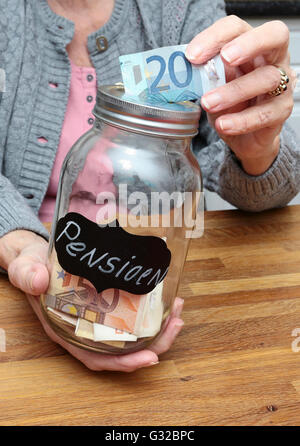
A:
(174, 120)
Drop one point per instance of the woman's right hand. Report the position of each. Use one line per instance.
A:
(23, 254)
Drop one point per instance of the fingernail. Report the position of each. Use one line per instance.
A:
(226, 124)
(152, 363)
(178, 308)
(211, 100)
(191, 56)
(231, 53)
(180, 301)
(179, 324)
(31, 280)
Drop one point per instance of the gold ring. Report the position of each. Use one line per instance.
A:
(283, 84)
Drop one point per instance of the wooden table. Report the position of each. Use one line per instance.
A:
(233, 364)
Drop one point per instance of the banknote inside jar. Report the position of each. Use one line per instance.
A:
(114, 318)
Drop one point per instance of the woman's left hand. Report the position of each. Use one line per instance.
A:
(245, 116)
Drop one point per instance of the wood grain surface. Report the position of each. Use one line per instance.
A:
(233, 363)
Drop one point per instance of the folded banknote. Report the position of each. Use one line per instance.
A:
(165, 75)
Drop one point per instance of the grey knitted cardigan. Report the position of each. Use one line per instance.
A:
(33, 54)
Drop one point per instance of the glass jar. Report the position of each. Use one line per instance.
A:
(126, 205)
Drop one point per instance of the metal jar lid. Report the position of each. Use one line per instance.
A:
(174, 120)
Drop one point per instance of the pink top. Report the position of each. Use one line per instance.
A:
(78, 120)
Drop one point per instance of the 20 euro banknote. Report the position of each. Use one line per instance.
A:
(165, 75)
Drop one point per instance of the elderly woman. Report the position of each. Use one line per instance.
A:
(55, 52)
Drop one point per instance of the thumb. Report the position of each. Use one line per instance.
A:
(28, 270)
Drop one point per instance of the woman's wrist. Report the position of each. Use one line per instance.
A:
(258, 166)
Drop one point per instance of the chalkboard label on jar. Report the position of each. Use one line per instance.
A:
(110, 257)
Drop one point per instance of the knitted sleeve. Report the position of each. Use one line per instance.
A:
(15, 213)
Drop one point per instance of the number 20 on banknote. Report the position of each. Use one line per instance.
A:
(167, 75)
(153, 89)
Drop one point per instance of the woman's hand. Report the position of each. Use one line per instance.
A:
(24, 255)
(123, 363)
(245, 116)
